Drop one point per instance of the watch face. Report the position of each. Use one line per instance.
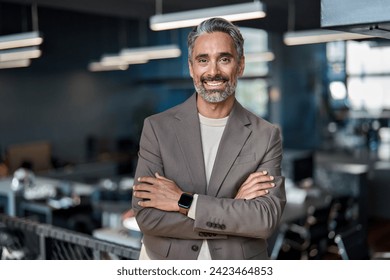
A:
(185, 200)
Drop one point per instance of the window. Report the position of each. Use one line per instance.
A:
(368, 74)
(252, 89)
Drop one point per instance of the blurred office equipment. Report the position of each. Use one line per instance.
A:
(298, 166)
(305, 237)
(352, 245)
(25, 239)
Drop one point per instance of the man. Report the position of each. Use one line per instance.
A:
(209, 182)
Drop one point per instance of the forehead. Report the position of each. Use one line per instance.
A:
(216, 42)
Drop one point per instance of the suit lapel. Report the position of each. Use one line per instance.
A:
(233, 139)
(190, 143)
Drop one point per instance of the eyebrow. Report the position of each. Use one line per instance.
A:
(222, 54)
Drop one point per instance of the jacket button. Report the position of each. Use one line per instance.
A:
(195, 248)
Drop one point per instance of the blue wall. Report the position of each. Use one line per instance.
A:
(57, 99)
(299, 74)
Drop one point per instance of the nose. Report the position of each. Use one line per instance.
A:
(213, 69)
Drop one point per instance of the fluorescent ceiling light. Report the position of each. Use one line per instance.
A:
(110, 60)
(259, 56)
(98, 66)
(20, 53)
(20, 40)
(235, 12)
(15, 63)
(319, 36)
(148, 53)
(121, 61)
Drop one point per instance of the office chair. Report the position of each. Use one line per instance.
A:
(343, 215)
(352, 245)
(305, 238)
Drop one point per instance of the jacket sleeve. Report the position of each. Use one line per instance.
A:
(256, 218)
(153, 221)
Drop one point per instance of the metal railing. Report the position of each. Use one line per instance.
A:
(25, 239)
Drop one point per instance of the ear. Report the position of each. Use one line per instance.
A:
(241, 66)
(190, 68)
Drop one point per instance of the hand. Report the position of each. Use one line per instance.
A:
(256, 185)
(159, 192)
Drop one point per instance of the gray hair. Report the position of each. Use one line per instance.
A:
(216, 25)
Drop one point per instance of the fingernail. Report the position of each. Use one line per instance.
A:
(266, 191)
(139, 203)
(264, 172)
(271, 177)
(273, 184)
(139, 179)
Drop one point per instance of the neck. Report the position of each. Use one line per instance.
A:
(215, 110)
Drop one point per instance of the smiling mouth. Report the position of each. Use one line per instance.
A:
(214, 83)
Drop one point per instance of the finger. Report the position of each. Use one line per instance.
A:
(253, 185)
(145, 203)
(261, 179)
(261, 186)
(256, 194)
(254, 188)
(147, 179)
(255, 174)
(145, 188)
(143, 195)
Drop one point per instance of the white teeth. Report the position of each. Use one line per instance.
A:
(214, 83)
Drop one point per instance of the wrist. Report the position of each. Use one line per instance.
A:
(185, 202)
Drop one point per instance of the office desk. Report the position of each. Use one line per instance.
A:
(13, 199)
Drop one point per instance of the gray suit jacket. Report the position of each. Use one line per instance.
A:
(235, 228)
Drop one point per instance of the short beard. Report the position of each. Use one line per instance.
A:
(215, 96)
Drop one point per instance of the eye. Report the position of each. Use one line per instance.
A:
(202, 60)
(225, 60)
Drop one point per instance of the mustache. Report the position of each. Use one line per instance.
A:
(214, 78)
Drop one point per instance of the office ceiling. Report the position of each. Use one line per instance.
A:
(307, 12)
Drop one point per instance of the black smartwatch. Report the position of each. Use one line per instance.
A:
(185, 202)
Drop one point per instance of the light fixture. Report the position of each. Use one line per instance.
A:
(149, 53)
(128, 56)
(111, 62)
(17, 50)
(314, 36)
(259, 57)
(15, 63)
(98, 66)
(20, 40)
(20, 54)
(110, 59)
(235, 12)
(319, 36)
